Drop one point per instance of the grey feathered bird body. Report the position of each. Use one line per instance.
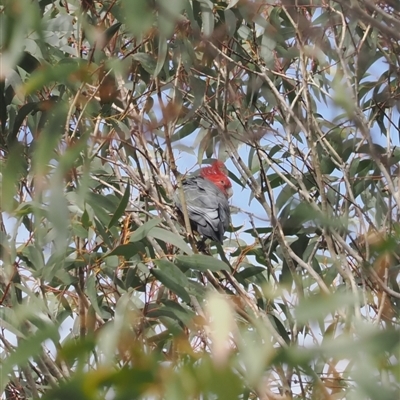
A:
(207, 207)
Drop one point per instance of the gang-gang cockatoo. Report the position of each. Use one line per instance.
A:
(206, 196)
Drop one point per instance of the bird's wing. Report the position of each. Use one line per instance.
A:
(207, 207)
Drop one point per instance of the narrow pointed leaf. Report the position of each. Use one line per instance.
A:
(200, 262)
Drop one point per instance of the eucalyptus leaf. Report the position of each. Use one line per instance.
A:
(200, 262)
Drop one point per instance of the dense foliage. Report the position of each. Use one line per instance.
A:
(104, 108)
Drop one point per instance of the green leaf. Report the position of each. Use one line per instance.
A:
(230, 21)
(207, 17)
(147, 61)
(9, 322)
(34, 257)
(14, 169)
(250, 271)
(280, 327)
(27, 348)
(3, 111)
(121, 207)
(28, 62)
(45, 145)
(162, 53)
(181, 312)
(186, 130)
(92, 294)
(102, 206)
(268, 44)
(144, 230)
(61, 72)
(170, 237)
(58, 213)
(319, 306)
(127, 251)
(137, 15)
(201, 262)
(172, 279)
(232, 3)
(103, 232)
(71, 157)
(22, 114)
(175, 273)
(110, 32)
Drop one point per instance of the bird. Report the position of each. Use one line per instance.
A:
(206, 196)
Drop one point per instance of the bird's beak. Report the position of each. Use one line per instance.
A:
(229, 193)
